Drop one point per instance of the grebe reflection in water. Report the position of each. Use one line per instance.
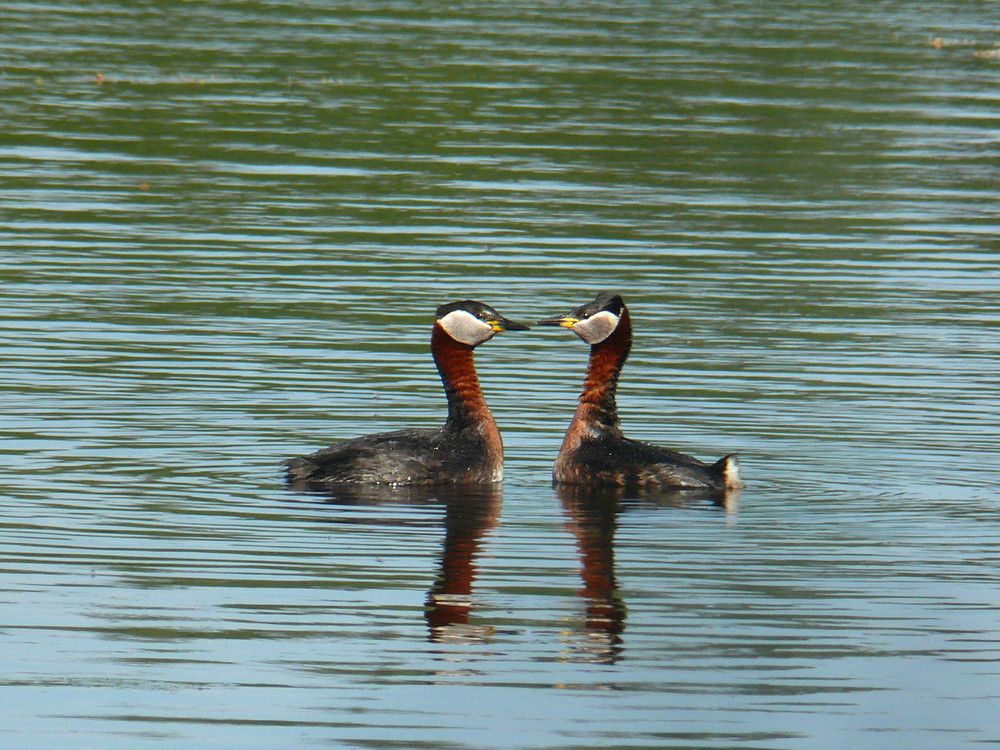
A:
(470, 514)
(592, 517)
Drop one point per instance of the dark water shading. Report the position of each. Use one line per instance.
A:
(224, 229)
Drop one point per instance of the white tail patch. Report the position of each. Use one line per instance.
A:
(466, 328)
(731, 473)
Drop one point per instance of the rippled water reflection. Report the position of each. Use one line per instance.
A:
(223, 233)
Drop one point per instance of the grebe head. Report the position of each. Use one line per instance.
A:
(472, 323)
(594, 321)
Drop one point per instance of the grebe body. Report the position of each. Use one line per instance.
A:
(466, 450)
(594, 451)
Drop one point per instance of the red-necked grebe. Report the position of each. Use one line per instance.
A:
(466, 450)
(594, 451)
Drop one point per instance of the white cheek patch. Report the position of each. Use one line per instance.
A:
(596, 328)
(466, 328)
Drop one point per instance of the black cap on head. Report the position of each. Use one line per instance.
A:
(473, 322)
(594, 321)
(611, 302)
(476, 309)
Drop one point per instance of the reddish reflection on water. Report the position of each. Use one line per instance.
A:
(592, 517)
(470, 513)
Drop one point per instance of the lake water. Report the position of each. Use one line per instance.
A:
(224, 229)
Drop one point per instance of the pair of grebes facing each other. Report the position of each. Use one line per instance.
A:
(468, 449)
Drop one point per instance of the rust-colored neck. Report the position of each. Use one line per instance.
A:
(597, 402)
(466, 405)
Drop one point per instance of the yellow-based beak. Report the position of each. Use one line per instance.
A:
(503, 324)
(564, 321)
